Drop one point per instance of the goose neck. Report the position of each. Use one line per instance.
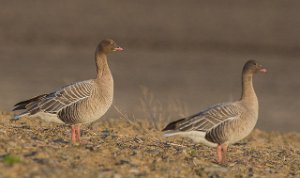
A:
(248, 93)
(102, 65)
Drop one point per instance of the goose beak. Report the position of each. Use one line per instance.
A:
(263, 70)
(118, 49)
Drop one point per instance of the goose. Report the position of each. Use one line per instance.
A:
(77, 103)
(226, 123)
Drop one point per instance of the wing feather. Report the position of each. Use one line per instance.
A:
(62, 98)
(208, 119)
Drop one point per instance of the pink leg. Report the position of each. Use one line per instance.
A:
(73, 134)
(219, 154)
(77, 131)
(224, 148)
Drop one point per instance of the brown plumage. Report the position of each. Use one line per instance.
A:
(224, 123)
(81, 102)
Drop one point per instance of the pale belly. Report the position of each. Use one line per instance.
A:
(242, 132)
(95, 114)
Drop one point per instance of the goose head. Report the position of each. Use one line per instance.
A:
(108, 46)
(253, 67)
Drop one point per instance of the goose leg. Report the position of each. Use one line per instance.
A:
(224, 149)
(219, 154)
(73, 133)
(77, 131)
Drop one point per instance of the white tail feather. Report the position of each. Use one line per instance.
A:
(17, 117)
(196, 136)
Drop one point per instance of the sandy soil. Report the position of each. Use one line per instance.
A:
(118, 148)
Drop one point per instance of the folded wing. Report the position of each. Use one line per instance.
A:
(54, 102)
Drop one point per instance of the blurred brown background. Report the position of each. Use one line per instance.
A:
(191, 51)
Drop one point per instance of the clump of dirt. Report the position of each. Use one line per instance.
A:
(118, 148)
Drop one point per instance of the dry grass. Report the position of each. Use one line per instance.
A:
(158, 112)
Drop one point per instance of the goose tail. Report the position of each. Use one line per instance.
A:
(19, 116)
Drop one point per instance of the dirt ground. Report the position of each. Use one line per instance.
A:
(123, 148)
